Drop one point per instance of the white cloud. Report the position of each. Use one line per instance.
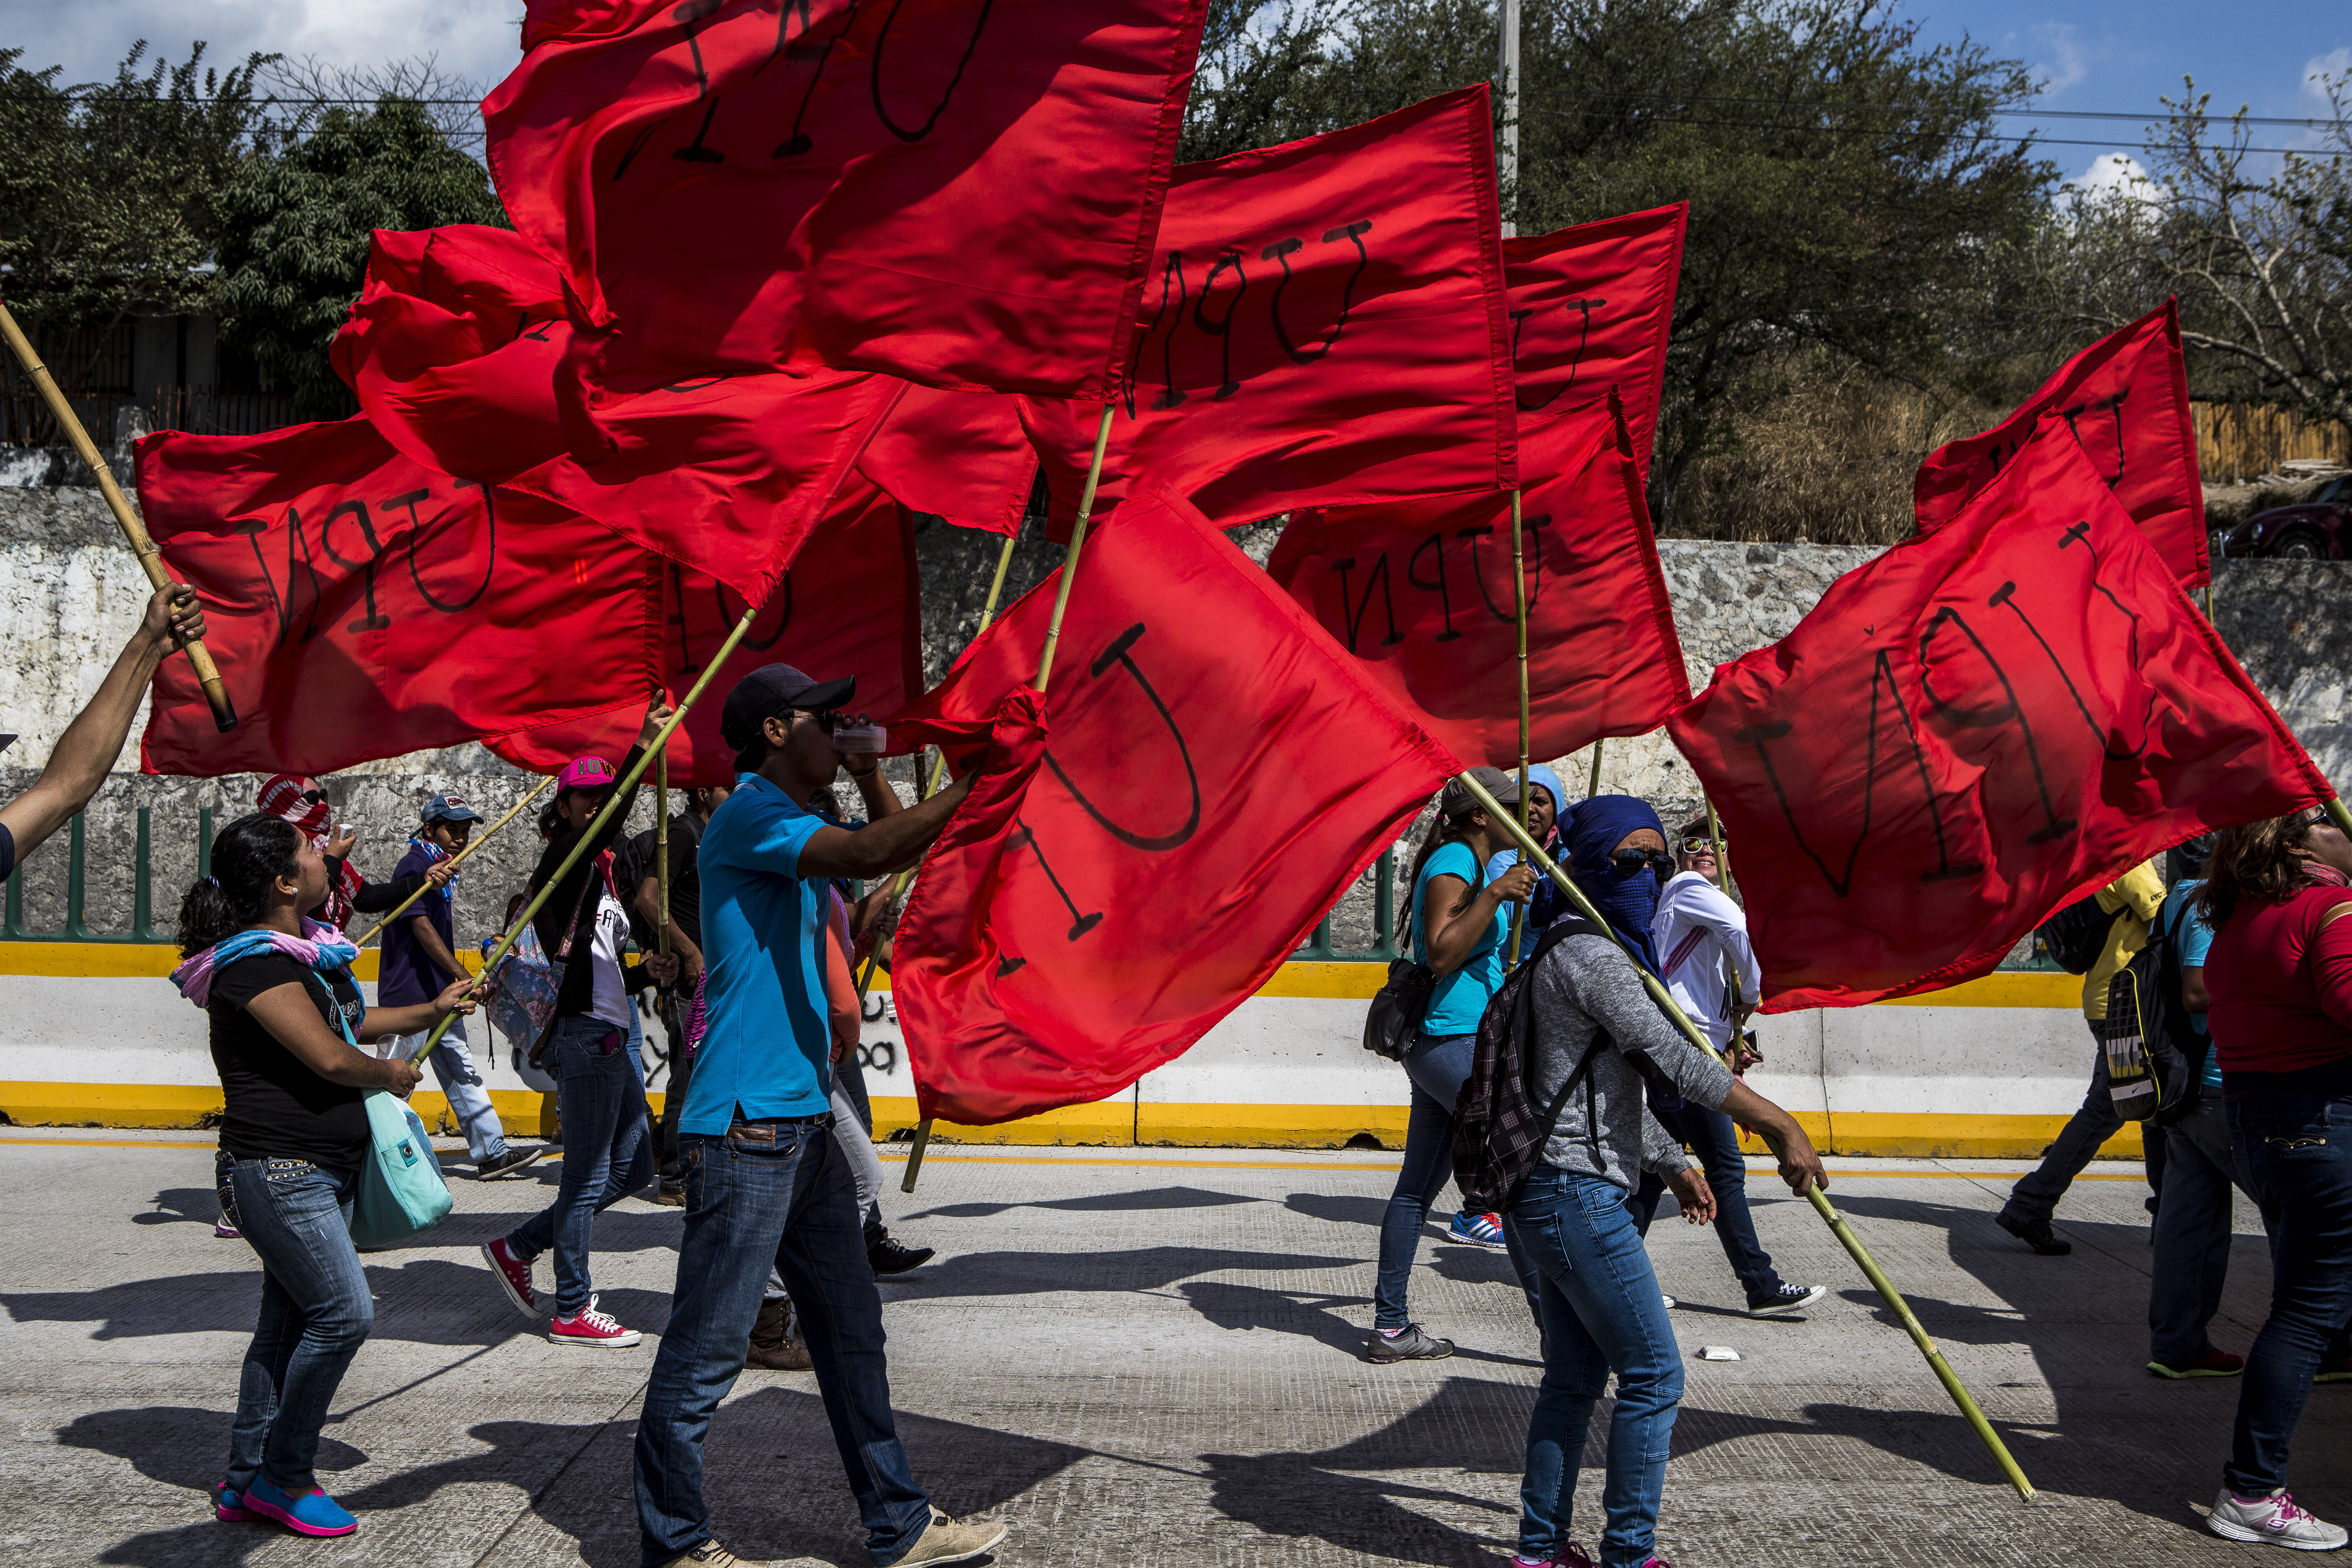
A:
(2337, 63)
(2110, 175)
(2066, 64)
(473, 38)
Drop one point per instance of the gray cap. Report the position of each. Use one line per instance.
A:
(1456, 802)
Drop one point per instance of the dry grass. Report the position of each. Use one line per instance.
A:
(1825, 458)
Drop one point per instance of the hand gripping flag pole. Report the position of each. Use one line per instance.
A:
(613, 796)
(1044, 669)
(924, 791)
(472, 845)
(1519, 613)
(1836, 1221)
(150, 560)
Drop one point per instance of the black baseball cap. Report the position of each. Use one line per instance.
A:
(773, 689)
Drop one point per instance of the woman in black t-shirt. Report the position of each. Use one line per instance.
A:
(286, 1020)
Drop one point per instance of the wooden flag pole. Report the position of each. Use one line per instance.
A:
(613, 796)
(2337, 815)
(150, 560)
(1593, 788)
(1836, 1222)
(661, 848)
(1722, 859)
(471, 845)
(1519, 614)
(1045, 672)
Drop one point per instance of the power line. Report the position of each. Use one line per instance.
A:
(1880, 131)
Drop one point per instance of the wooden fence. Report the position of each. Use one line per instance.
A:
(2240, 440)
(25, 421)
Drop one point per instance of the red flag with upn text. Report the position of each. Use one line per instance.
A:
(361, 605)
(848, 604)
(1205, 772)
(1976, 728)
(1324, 326)
(1591, 306)
(1420, 592)
(959, 193)
(2126, 399)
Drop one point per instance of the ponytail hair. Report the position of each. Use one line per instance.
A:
(248, 856)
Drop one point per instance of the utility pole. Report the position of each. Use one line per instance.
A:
(1507, 163)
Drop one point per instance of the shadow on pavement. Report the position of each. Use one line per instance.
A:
(182, 1205)
(1101, 1202)
(1340, 1208)
(576, 1477)
(1041, 1273)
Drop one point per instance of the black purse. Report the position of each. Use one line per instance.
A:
(1398, 1008)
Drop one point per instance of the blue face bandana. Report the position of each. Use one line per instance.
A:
(1627, 901)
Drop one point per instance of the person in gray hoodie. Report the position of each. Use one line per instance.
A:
(1596, 1297)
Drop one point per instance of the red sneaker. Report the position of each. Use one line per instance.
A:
(514, 1275)
(592, 1328)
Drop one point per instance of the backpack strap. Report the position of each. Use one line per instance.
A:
(1523, 1019)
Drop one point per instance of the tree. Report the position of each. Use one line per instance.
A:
(2262, 267)
(1850, 193)
(107, 191)
(295, 228)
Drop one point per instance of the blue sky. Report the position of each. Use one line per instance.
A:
(2117, 60)
(2123, 59)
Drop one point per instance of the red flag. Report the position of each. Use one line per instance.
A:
(960, 455)
(1974, 729)
(1421, 592)
(960, 195)
(1590, 309)
(1325, 327)
(848, 604)
(726, 475)
(2125, 399)
(361, 605)
(1218, 772)
(454, 346)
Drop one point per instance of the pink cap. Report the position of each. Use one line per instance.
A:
(583, 772)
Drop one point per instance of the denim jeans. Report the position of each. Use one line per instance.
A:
(2296, 1153)
(2036, 1196)
(1601, 1312)
(771, 1193)
(315, 1314)
(607, 1152)
(1715, 1139)
(2192, 1232)
(1438, 1066)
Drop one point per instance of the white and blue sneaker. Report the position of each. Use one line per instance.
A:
(1477, 1230)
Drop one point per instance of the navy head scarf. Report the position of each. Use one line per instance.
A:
(1626, 901)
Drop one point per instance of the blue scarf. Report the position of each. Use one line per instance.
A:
(433, 855)
(1627, 901)
(321, 947)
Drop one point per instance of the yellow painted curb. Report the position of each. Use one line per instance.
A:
(137, 961)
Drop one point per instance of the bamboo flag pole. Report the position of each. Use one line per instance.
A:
(471, 845)
(2337, 815)
(1519, 616)
(1836, 1222)
(661, 847)
(1045, 672)
(1593, 788)
(1722, 860)
(150, 560)
(613, 796)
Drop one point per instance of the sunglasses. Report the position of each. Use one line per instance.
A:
(1698, 845)
(313, 796)
(1631, 861)
(828, 718)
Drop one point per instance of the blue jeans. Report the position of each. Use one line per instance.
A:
(2192, 1231)
(608, 1151)
(1601, 1312)
(1715, 1139)
(778, 1193)
(2296, 1153)
(315, 1314)
(2035, 1197)
(1438, 1066)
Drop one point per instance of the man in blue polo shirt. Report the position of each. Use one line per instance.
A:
(765, 1182)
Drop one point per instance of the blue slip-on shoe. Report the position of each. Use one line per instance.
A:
(1477, 1230)
(228, 1505)
(313, 1513)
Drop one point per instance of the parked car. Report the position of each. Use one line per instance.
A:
(2319, 529)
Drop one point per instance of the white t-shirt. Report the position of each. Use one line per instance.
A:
(609, 999)
(1702, 941)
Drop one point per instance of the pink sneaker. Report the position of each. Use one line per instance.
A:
(514, 1275)
(590, 1327)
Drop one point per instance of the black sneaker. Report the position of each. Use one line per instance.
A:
(1408, 1343)
(2034, 1233)
(889, 1256)
(498, 1167)
(1785, 1301)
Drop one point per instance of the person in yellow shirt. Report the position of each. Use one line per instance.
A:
(2133, 900)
